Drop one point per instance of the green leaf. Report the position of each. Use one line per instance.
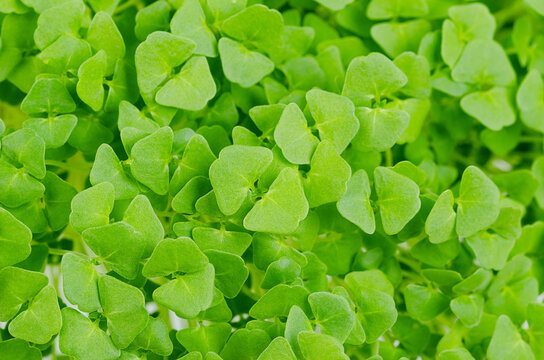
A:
(17, 349)
(328, 176)
(416, 68)
(303, 73)
(507, 343)
(491, 250)
(297, 321)
(380, 128)
(191, 88)
(222, 10)
(103, 34)
(278, 301)
(230, 272)
(154, 17)
(389, 9)
(331, 63)
(333, 314)
(55, 131)
(484, 62)
(537, 6)
(80, 282)
(371, 77)
(122, 87)
(84, 340)
(468, 22)
(492, 108)
(241, 65)
(257, 26)
(192, 356)
(468, 308)
(337, 251)
(355, 205)
(154, 337)
(124, 307)
(478, 202)
(185, 200)
(455, 354)
(26, 148)
(17, 187)
(118, 245)
(15, 239)
(150, 157)
(172, 256)
(12, 6)
(108, 168)
(334, 117)
(398, 199)
(534, 316)
(320, 346)
(17, 287)
(41, 320)
(195, 288)
(373, 279)
(91, 73)
(205, 339)
(62, 18)
(413, 335)
(229, 241)
(58, 197)
(398, 37)
(157, 56)
(282, 208)
(282, 271)
(530, 100)
(538, 171)
(376, 310)
(92, 207)
(293, 136)
(424, 303)
(245, 344)
(196, 161)
(440, 223)
(475, 282)
(278, 349)
(67, 53)
(189, 22)
(142, 217)
(234, 173)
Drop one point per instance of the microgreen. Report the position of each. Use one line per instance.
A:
(271, 180)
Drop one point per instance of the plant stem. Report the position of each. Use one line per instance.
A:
(388, 157)
(376, 348)
(66, 166)
(164, 314)
(60, 252)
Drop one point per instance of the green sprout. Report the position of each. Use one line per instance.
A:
(271, 179)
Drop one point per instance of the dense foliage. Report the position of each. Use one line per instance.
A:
(271, 180)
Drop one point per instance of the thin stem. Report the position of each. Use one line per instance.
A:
(60, 252)
(164, 314)
(192, 323)
(531, 139)
(250, 293)
(388, 157)
(66, 166)
(376, 348)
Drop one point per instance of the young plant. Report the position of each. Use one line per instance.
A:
(271, 180)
